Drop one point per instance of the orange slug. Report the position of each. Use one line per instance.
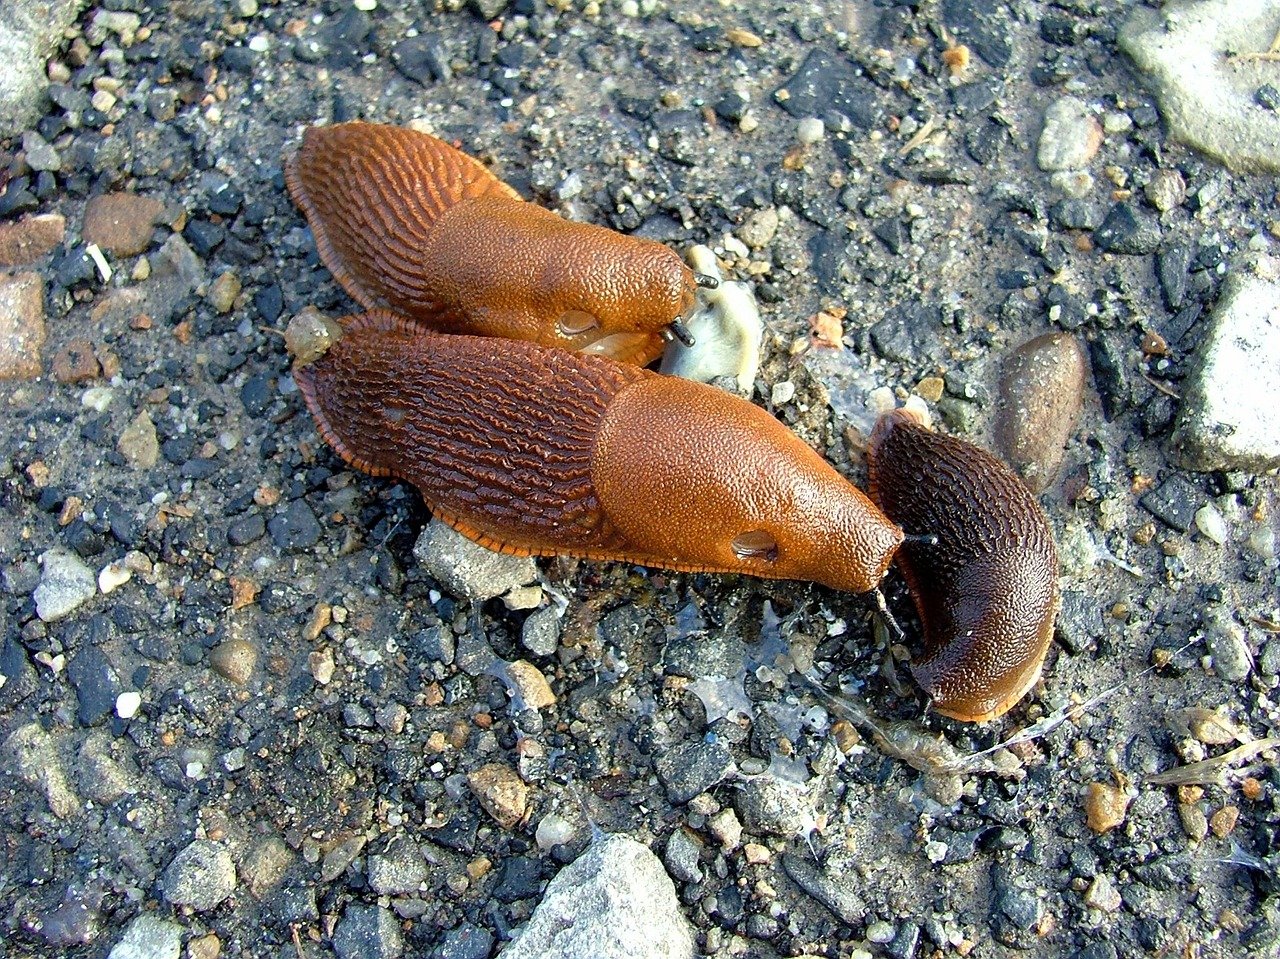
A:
(406, 222)
(535, 450)
(987, 590)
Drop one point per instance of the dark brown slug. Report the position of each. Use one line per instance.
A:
(536, 450)
(987, 592)
(405, 221)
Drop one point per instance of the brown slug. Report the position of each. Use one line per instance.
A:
(535, 450)
(987, 591)
(407, 222)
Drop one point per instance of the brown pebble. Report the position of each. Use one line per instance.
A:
(501, 792)
(234, 660)
(243, 592)
(530, 685)
(1251, 788)
(21, 326)
(76, 363)
(204, 947)
(1041, 394)
(121, 223)
(1223, 822)
(1105, 806)
(29, 239)
(1194, 823)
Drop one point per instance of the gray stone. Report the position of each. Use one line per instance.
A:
(149, 937)
(1070, 138)
(1197, 57)
(40, 154)
(774, 806)
(30, 30)
(367, 932)
(1227, 420)
(469, 570)
(541, 632)
(834, 883)
(200, 876)
(399, 871)
(37, 762)
(613, 900)
(681, 856)
(66, 584)
(693, 767)
(1225, 640)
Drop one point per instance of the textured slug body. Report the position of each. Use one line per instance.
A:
(987, 593)
(405, 221)
(533, 450)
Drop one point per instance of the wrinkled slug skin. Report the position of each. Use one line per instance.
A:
(987, 593)
(533, 450)
(407, 222)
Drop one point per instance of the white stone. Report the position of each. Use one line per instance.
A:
(1198, 57)
(66, 584)
(113, 576)
(1227, 420)
(1071, 136)
(149, 937)
(613, 900)
(128, 704)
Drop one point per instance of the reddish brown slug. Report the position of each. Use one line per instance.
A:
(987, 591)
(535, 450)
(407, 222)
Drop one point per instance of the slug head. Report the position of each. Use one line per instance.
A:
(695, 478)
(987, 592)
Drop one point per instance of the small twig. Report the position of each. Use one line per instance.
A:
(920, 136)
(1271, 54)
(1166, 390)
(1213, 771)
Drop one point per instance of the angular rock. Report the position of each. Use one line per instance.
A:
(1128, 232)
(774, 806)
(201, 876)
(22, 329)
(469, 570)
(398, 871)
(1207, 96)
(834, 883)
(1041, 395)
(692, 768)
(613, 900)
(121, 223)
(826, 82)
(30, 30)
(66, 584)
(1227, 419)
(367, 932)
(29, 239)
(175, 273)
(138, 444)
(501, 792)
(149, 937)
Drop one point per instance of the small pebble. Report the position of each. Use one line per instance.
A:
(223, 291)
(1105, 806)
(501, 792)
(1166, 190)
(234, 660)
(553, 830)
(810, 130)
(1102, 894)
(1041, 397)
(138, 443)
(1071, 136)
(128, 704)
(66, 584)
(201, 876)
(1209, 521)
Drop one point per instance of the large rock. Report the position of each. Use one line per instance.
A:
(614, 901)
(1228, 417)
(30, 30)
(1207, 96)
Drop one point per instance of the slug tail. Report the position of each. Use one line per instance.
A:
(372, 195)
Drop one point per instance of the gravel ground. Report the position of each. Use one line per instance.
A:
(248, 711)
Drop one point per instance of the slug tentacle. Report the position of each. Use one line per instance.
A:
(529, 449)
(406, 222)
(987, 591)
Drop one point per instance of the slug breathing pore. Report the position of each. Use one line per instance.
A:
(406, 222)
